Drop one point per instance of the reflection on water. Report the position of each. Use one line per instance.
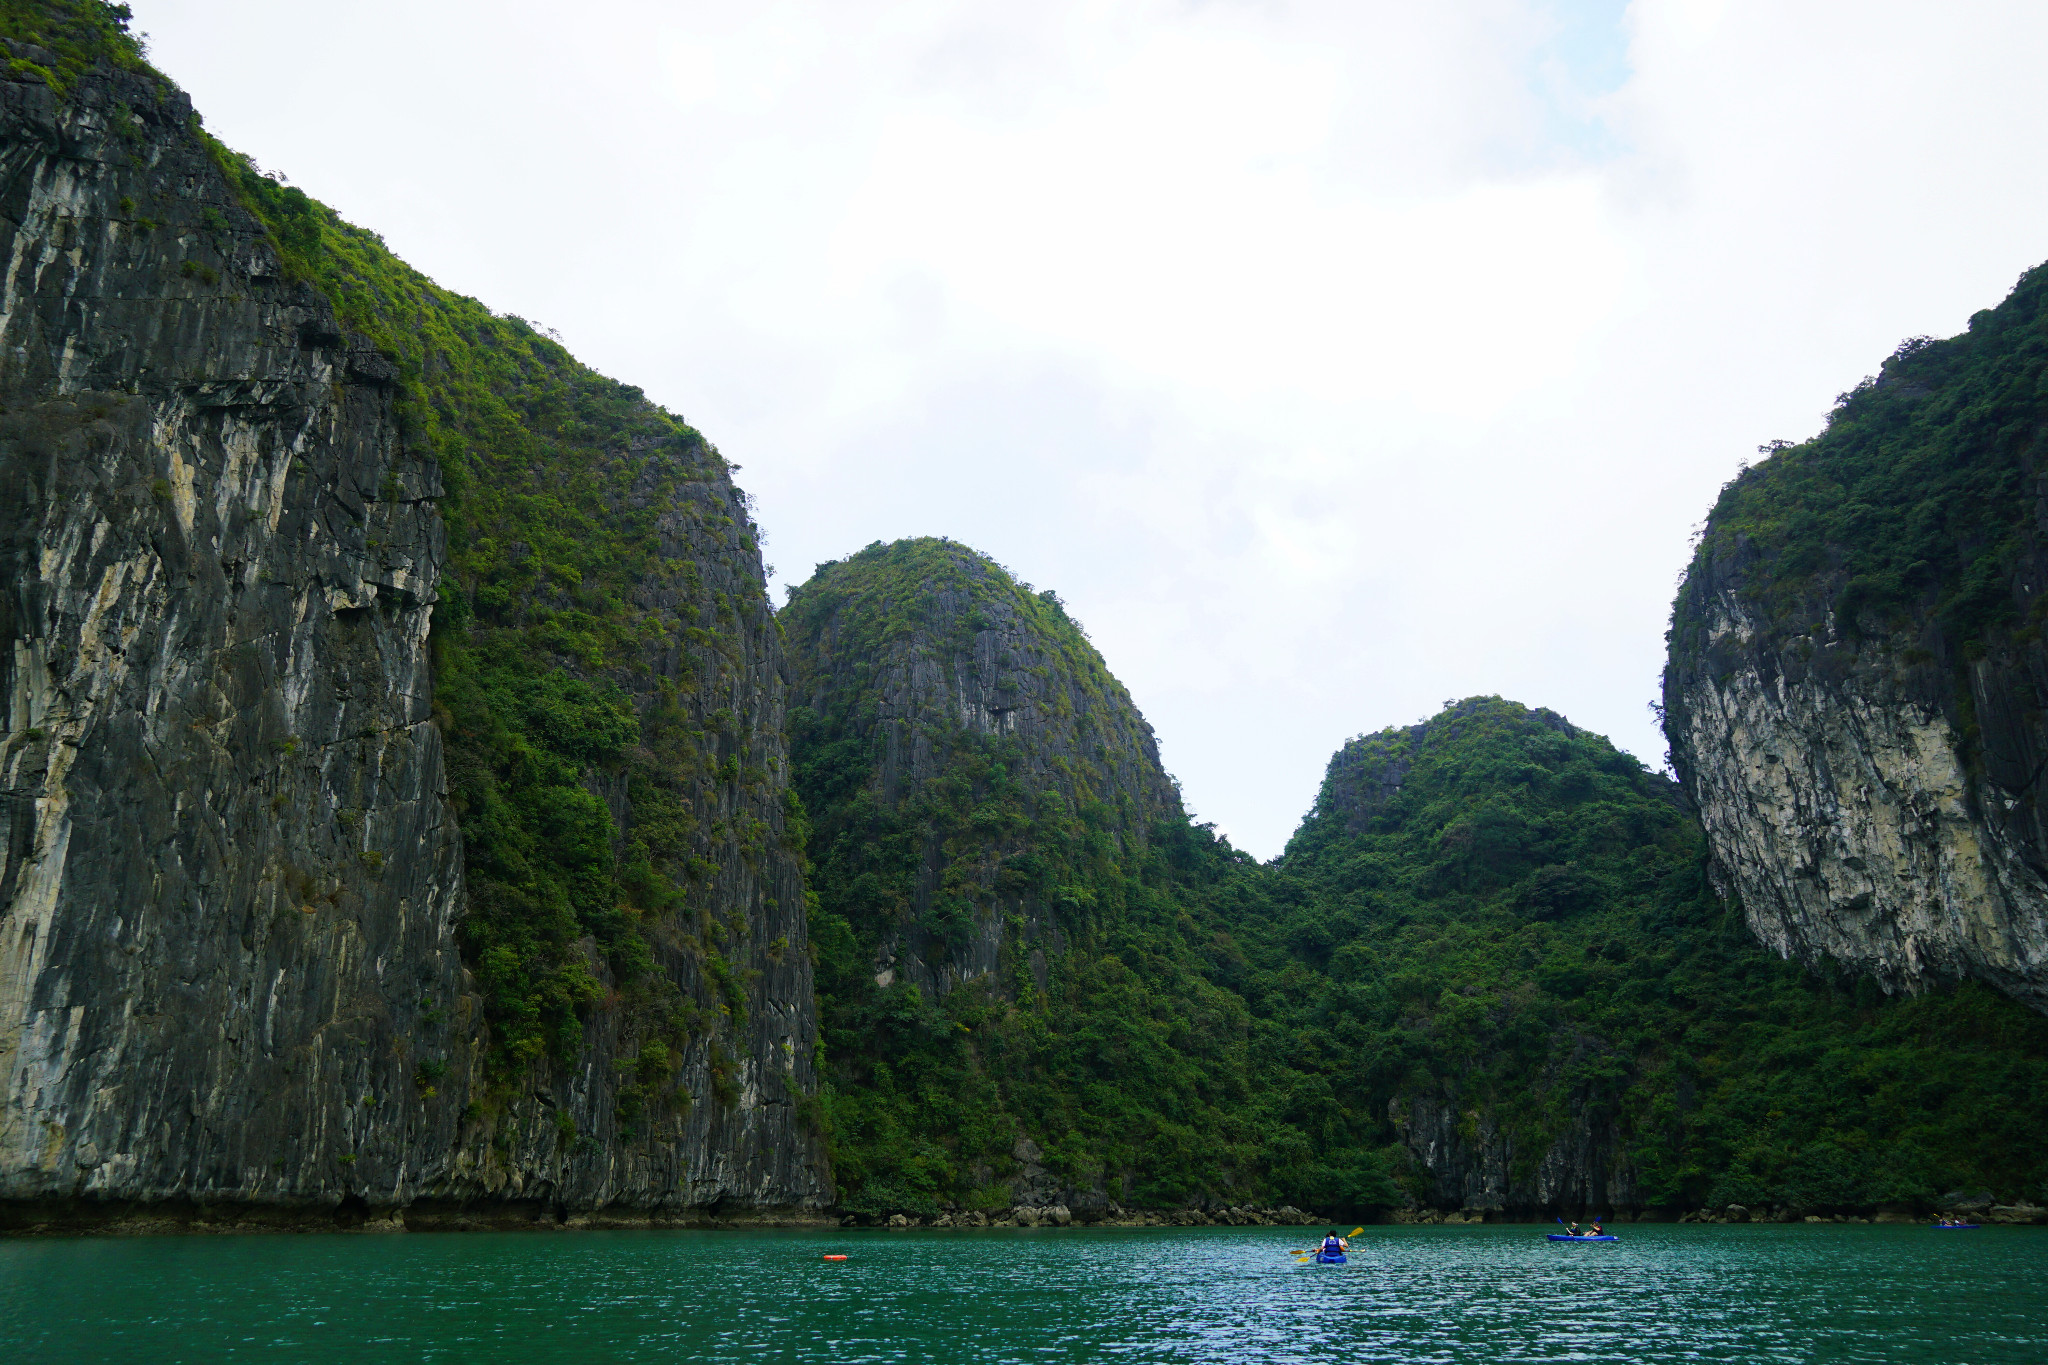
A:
(1662, 1293)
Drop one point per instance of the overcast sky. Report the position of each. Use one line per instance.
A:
(1330, 359)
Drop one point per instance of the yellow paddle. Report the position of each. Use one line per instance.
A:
(1301, 1256)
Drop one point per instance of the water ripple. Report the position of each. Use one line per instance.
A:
(1208, 1297)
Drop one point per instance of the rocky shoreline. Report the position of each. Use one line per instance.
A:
(1977, 1208)
(172, 1217)
(1974, 1208)
(111, 1218)
(1105, 1216)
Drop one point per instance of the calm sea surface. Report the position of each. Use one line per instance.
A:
(1797, 1293)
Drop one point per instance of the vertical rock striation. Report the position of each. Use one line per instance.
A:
(242, 963)
(1469, 1160)
(687, 1078)
(228, 881)
(1849, 808)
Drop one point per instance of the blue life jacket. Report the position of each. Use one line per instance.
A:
(1331, 1246)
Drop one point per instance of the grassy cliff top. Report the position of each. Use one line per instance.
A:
(942, 643)
(74, 36)
(935, 592)
(1447, 781)
(1911, 506)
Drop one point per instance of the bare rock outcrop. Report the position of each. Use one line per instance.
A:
(228, 881)
(1475, 1164)
(1850, 811)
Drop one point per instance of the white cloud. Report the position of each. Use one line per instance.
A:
(1331, 359)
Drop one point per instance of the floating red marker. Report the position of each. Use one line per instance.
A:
(835, 1258)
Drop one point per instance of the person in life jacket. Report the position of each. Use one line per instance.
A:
(1333, 1245)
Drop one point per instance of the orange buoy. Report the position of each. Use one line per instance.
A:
(835, 1258)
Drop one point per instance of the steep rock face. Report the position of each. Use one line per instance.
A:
(233, 900)
(1857, 695)
(228, 882)
(1471, 1161)
(686, 1078)
(1846, 812)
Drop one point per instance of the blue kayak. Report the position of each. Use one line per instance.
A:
(1954, 1227)
(1326, 1258)
(1567, 1237)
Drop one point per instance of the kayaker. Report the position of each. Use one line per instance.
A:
(1597, 1231)
(1571, 1229)
(1333, 1245)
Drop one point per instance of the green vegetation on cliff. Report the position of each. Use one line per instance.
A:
(1027, 955)
(590, 634)
(1501, 913)
(76, 35)
(1857, 686)
(557, 480)
(1491, 923)
(1913, 507)
(1038, 862)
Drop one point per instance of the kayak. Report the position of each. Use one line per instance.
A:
(1954, 1227)
(1567, 1237)
(1327, 1258)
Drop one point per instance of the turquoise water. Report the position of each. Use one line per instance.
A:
(1794, 1293)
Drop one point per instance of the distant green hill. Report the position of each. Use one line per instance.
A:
(1503, 917)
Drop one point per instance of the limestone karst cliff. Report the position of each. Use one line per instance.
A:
(988, 812)
(393, 791)
(925, 662)
(1857, 693)
(1487, 977)
(412, 810)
